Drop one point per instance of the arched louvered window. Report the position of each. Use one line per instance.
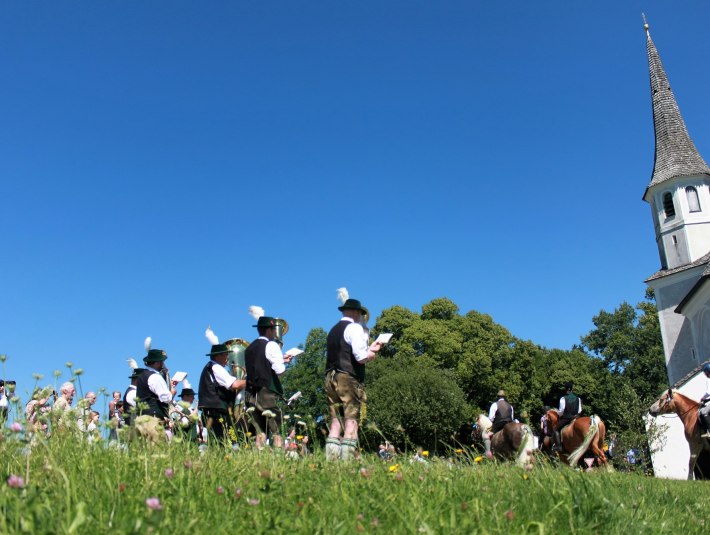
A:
(693, 200)
(668, 207)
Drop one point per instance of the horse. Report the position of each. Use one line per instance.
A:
(585, 433)
(514, 441)
(687, 410)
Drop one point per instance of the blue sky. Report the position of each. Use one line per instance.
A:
(165, 165)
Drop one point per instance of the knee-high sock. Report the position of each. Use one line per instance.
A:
(332, 449)
(348, 448)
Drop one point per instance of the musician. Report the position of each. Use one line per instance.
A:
(153, 395)
(570, 408)
(129, 397)
(218, 390)
(347, 353)
(264, 363)
(501, 413)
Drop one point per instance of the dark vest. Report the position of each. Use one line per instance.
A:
(145, 396)
(128, 409)
(211, 394)
(571, 406)
(504, 412)
(259, 372)
(340, 353)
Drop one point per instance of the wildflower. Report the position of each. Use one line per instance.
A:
(360, 517)
(525, 476)
(16, 427)
(220, 489)
(37, 376)
(248, 434)
(299, 437)
(57, 373)
(287, 416)
(375, 522)
(253, 501)
(154, 504)
(250, 410)
(15, 482)
(298, 417)
(394, 468)
(364, 472)
(509, 514)
(268, 414)
(121, 487)
(15, 399)
(301, 423)
(265, 474)
(528, 467)
(238, 493)
(399, 476)
(282, 476)
(478, 459)
(187, 464)
(425, 453)
(421, 478)
(169, 473)
(3, 357)
(68, 364)
(78, 371)
(459, 451)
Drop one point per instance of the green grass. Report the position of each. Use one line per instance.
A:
(74, 487)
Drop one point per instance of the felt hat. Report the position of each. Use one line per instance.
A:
(265, 322)
(187, 392)
(501, 393)
(155, 355)
(569, 385)
(136, 373)
(218, 349)
(353, 304)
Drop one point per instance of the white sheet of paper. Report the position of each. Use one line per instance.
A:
(384, 338)
(293, 352)
(179, 376)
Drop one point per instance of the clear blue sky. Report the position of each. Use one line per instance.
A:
(164, 165)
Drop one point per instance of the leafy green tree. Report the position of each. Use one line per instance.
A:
(413, 403)
(307, 374)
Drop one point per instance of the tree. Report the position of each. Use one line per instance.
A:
(307, 374)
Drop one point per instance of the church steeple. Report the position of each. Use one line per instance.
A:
(676, 155)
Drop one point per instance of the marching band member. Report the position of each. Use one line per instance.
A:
(264, 363)
(153, 395)
(218, 390)
(348, 351)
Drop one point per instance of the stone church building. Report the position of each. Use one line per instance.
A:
(679, 197)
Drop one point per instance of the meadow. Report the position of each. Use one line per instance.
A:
(65, 485)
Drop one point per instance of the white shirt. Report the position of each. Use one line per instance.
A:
(159, 387)
(131, 396)
(494, 408)
(274, 356)
(3, 400)
(357, 339)
(562, 404)
(222, 376)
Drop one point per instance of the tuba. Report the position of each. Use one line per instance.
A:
(281, 328)
(237, 365)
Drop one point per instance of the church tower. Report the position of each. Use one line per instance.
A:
(679, 195)
(679, 191)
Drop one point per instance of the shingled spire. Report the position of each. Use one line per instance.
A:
(676, 154)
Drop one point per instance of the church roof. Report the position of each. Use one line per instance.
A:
(702, 261)
(676, 154)
(688, 376)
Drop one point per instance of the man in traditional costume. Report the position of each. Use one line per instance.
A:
(500, 414)
(348, 350)
(570, 408)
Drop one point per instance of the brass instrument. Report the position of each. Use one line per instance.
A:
(237, 364)
(281, 328)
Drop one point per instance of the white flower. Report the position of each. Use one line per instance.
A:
(268, 414)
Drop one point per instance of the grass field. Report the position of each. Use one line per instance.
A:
(65, 485)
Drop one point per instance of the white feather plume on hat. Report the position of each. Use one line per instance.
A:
(133, 364)
(186, 383)
(256, 312)
(343, 295)
(211, 336)
(147, 343)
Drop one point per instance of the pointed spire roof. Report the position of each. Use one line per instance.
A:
(676, 154)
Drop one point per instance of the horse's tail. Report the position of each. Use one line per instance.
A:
(524, 453)
(576, 455)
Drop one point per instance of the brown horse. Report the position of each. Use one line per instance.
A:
(513, 442)
(585, 433)
(687, 411)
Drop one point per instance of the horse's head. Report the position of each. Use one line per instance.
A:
(663, 405)
(552, 416)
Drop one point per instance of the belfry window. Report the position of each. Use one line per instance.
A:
(668, 207)
(693, 200)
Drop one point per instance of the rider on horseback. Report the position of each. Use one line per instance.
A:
(570, 408)
(704, 410)
(500, 413)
